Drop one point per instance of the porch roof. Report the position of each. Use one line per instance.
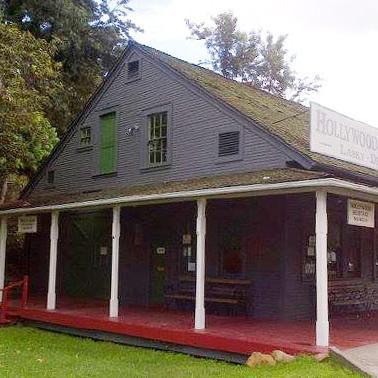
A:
(275, 181)
(211, 182)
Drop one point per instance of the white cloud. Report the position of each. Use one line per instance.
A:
(336, 39)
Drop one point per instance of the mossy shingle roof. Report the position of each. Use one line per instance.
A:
(271, 176)
(287, 120)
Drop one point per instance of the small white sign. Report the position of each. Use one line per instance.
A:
(335, 135)
(191, 267)
(27, 224)
(160, 251)
(186, 239)
(103, 251)
(361, 213)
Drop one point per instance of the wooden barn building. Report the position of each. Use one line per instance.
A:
(187, 211)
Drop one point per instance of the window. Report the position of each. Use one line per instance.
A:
(346, 244)
(107, 158)
(157, 138)
(228, 143)
(85, 137)
(133, 69)
(50, 177)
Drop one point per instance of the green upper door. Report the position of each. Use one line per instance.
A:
(108, 143)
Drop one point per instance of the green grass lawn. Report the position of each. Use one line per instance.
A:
(28, 352)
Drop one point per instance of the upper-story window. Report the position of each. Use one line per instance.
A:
(51, 177)
(158, 138)
(108, 145)
(133, 69)
(85, 137)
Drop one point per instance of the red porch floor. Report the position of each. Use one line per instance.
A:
(223, 333)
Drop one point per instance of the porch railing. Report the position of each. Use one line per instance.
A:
(24, 285)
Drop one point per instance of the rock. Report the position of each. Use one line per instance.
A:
(281, 356)
(321, 356)
(257, 358)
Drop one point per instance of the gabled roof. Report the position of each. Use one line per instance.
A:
(287, 120)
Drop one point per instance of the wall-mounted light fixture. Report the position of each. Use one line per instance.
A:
(130, 131)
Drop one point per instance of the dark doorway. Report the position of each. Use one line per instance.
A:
(158, 275)
(87, 256)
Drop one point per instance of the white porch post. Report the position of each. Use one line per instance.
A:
(199, 321)
(116, 231)
(321, 227)
(3, 248)
(54, 234)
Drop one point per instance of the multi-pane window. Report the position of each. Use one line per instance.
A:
(157, 138)
(85, 137)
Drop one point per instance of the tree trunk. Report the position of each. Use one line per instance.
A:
(3, 188)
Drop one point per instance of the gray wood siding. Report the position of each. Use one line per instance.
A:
(196, 122)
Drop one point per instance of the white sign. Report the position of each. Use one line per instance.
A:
(361, 213)
(27, 224)
(335, 135)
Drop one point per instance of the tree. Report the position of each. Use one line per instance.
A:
(252, 58)
(89, 36)
(29, 80)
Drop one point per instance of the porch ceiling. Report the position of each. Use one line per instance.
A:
(274, 181)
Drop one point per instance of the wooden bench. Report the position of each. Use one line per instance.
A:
(232, 293)
(351, 296)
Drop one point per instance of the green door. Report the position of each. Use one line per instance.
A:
(108, 143)
(158, 275)
(87, 263)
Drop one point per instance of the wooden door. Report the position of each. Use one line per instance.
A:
(87, 263)
(158, 275)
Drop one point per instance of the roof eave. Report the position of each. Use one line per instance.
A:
(332, 185)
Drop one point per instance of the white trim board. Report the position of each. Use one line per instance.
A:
(330, 185)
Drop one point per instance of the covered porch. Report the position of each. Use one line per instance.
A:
(173, 330)
(245, 266)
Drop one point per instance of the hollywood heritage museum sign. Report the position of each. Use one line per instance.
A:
(361, 213)
(335, 135)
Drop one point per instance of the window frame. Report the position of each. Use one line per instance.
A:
(133, 58)
(50, 173)
(136, 73)
(228, 158)
(90, 144)
(145, 160)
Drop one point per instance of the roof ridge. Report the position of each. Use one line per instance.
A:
(220, 76)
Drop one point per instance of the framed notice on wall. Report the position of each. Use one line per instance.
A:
(27, 224)
(361, 213)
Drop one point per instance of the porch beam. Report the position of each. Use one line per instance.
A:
(199, 322)
(3, 249)
(321, 229)
(54, 235)
(116, 231)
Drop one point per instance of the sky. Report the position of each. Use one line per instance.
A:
(335, 39)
